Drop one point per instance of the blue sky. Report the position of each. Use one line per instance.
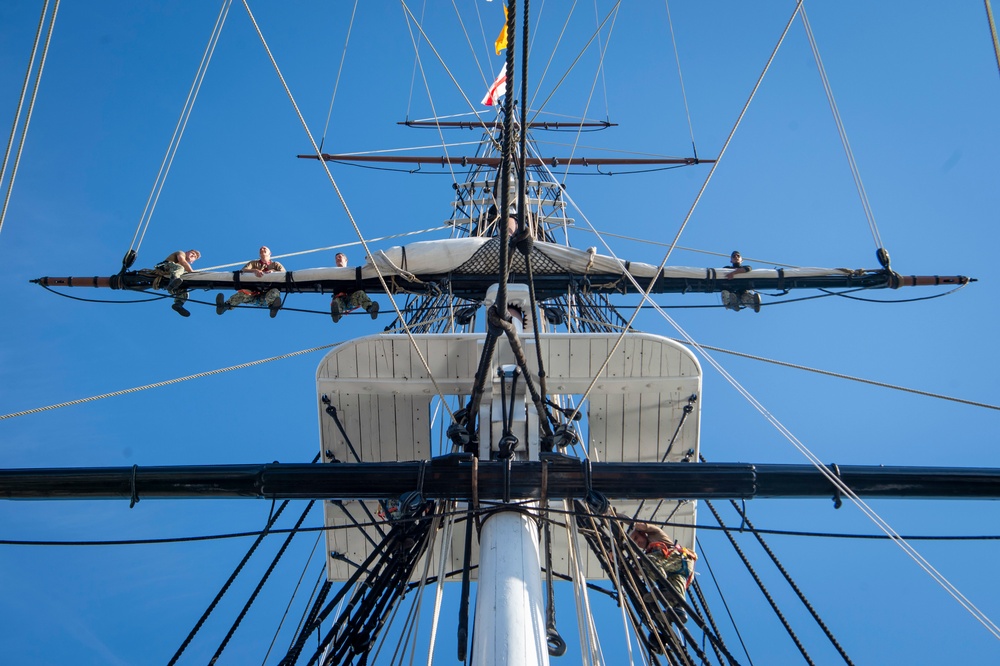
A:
(918, 89)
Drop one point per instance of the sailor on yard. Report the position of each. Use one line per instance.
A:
(342, 303)
(174, 266)
(737, 299)
(271, 298)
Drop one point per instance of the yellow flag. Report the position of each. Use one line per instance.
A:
(501, 42)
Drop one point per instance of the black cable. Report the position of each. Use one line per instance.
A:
(225, 587)
(729, 612)
(795, 588)
(232, 577)
(303, 635)
(260, 585)
(709, 528)
(760, 584)
(707, 614)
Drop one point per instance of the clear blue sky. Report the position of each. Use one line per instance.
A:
(919, 92)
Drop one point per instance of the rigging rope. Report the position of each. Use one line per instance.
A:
(589, 646)
(552, 55)
(225, 586)
(611, 12)
(590, 95)
(343, 203)
(31, 104)
(168, 382)
(993, 31)
(704, 610)
(175, 139)
(439, 592)
(468, 40)
(853, 378)
(295, 592)
(333, 528)
(260, 584)
(718, 590)
(645, 292)
(680, 77)
(302, 635)
(392, 563)
(447, 70)
(760, 584)
(430, 96)
(645, 599)
(791, 583)
(855, 172)
(340, 70)
(845, 490)
(954, 592)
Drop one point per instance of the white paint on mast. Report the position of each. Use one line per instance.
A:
(510, 622)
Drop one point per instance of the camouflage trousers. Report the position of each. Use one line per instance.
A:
(737, 300)
(358, 299)
(672, 569)
(173, 271)
(261, 298)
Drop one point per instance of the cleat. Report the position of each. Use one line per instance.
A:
(220, 304)
(336, 310)
(373, 309)
(178, 307)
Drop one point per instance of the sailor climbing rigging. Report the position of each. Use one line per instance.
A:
(674, 562)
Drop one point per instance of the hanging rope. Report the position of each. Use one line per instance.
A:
(161, 177)
(31, 104)
(680, 78)
(855, 172)
(340, 69)
(498, 311)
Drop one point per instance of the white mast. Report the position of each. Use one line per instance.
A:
(510, 620)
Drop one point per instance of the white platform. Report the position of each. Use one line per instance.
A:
(384, 399)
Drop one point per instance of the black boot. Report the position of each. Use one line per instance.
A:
(178, 307)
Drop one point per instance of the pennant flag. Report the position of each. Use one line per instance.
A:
(497, 90)
(501, 42)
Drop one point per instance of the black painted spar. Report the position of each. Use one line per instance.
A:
(452, 477)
